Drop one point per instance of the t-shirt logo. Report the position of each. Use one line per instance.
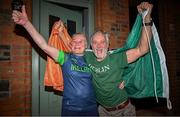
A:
(102, 69)
(80, 68)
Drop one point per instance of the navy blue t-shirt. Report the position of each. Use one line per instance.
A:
(78, 92)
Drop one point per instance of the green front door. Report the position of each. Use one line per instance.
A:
(50, 103)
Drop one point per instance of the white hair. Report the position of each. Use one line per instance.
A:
(105, 34)
(82, 34)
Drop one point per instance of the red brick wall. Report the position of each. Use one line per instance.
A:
(113, 16)
(17, 70)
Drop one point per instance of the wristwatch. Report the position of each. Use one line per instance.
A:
(148, 23)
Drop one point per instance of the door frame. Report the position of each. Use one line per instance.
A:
(88, 6)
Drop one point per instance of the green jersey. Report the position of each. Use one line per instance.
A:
(107, 75)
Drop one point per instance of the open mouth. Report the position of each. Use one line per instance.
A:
(99, 51)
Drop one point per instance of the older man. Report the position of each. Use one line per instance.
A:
(108, 68)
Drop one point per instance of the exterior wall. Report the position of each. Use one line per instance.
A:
(111, 16)
(15, 64)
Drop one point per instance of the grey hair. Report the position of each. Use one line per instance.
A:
(105, 34)
(80, 33)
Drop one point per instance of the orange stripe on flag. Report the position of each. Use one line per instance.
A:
(53, 73)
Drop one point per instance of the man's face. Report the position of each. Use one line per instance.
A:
(78, 44)
(99, 46)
